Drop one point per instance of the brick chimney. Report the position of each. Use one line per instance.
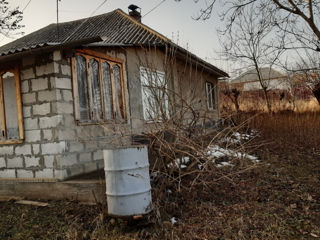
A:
(135, 12)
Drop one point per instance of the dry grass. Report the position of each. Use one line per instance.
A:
(250, 104)
(277, 199)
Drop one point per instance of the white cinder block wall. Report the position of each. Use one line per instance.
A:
(55, 146)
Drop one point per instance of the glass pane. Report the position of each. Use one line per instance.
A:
(148, 99)
(118, 92)
(82, 88)
(95, 89)
(107, 90)
(10, 105)
(209, 95)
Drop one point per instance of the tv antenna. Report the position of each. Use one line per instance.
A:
(58, 19)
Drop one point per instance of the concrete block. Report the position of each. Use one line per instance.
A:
(85, 157)
(36, 149)
(39, 84)
(53, 148)
(61, 83)
(60, 174)
(62, 108)
(66, 160)
(23, 149)
(32, 161)
(45, 69)
(2, 162)
(48, 161)
(16, 162)
(76, 147)
(91, 145)
(75, 170)
(28, 98)
(98, 155)
(67, 95)
(31, 123)
(66, 134)
(57, 55)
(50, 122)
(25, 86)
(90, 167)
(8, 173)
(65, 69)
(33, 135)
(41, 109)
(26, 111)
(49, 96)
(47, 134)
(21, 173)
(70, 121)
(27, 74)
(45, 173)
(6, 150)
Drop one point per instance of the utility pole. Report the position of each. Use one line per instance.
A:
(58, 20)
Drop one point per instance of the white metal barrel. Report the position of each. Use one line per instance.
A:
(127, 181)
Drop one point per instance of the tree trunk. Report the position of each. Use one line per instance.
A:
(267, 99)
(316, 92)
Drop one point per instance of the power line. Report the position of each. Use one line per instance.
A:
(85, 20)
(26, 5)
(154, 8)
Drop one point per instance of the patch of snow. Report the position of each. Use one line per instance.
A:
(173, 220)
(237, 137)
(215, 151)
(182, 163)
(224, 164)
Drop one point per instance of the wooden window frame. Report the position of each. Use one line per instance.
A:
(3, 127)
(211, 95)
(100, 58)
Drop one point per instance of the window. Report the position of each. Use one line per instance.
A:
(11, 120)
(98, 87)
(154, 94)
(210, 92)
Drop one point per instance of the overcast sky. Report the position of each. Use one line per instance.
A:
(172, 19)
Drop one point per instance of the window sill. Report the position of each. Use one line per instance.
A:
(79, 123)
(8, 142)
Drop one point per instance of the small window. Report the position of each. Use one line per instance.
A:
(154, 94)
(98, 87)
(11, 123)
(210, 93)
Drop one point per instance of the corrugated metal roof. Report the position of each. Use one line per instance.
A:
(116, 28)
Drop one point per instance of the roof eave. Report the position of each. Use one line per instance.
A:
(47, 47)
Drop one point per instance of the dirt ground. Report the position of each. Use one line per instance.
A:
(278, 198)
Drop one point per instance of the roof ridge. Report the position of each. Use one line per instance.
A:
(84, 19)
(149, 29)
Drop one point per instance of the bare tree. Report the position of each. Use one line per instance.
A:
(249, 42)
(296, 20)
(10, 19)
(233, 94)
(307, 71)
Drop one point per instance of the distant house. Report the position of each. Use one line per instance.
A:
(70, 90)
(271, 78)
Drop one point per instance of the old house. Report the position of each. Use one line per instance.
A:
(67, 91)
